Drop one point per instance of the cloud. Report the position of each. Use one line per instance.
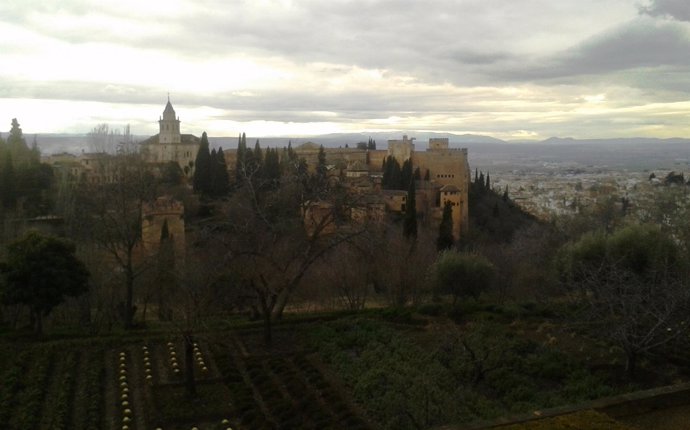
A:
(636, 51)
(676, 9)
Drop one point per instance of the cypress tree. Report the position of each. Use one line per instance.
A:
(321, 167)
(445, 230)
(220, 176)
(202, 170)
(241, 158)
(272, 167)
(258, 155)
(406, 175)
(488, 182)
(8, 191)
(392, 175)
(410, 220)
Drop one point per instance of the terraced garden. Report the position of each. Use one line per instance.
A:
(384, 370)
(140, 385)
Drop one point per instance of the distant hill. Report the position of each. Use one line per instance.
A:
(485, 152)
(616, 141)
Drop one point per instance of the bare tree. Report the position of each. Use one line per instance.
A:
(273, 233)
(112, 215)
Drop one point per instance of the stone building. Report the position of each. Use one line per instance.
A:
(163, 210)
(170, 144)
(448, 174)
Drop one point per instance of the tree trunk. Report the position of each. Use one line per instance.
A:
(631, 364)
(129, 302)
(267, 328)
(190, 381)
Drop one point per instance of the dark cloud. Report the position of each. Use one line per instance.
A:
(676, 9)
(638, 48)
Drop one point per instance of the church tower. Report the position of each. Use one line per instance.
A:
(169, 126)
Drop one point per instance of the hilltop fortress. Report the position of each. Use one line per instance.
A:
(444, 174)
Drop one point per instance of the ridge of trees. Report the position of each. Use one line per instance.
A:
(493, 216)
(23, 179)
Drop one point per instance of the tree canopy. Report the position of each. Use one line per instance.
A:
(632, 285)
(40, 272)
(462, 274)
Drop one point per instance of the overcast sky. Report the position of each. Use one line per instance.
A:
(512, 69)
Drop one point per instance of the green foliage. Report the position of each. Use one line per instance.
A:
(462, 274)
(479, 373)
(410, 218)
(219, 174)
(241, 158)
(202, 167)
(633, 285)
(22, 176)
(445, 238)
(493, 219)
(171, 174)
(392, 175)
(8, 190)
(40, 272)
(643, 251)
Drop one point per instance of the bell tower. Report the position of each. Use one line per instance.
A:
(169, 126)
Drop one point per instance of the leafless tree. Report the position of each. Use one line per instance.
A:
(111, 217)
(274, 233)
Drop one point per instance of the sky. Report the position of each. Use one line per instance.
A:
(511, 69)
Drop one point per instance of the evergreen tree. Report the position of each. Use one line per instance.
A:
(427, 175)
(371, 145)
(321, 167)
(482, 184)
(16, 144)
(476, 175)
(417, 174)
(488, 182)
(272, 167)
(164, 277)
(445, 230)
(40, 272)
(406, 175)
(292, 155)
(222, 178)
(505, 194)
(238, 159)
(202, 170)
(258, 155)
(241, 158)
(392, 174)
(410, 220)
(8, 191)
